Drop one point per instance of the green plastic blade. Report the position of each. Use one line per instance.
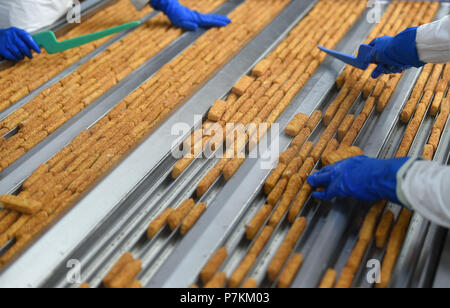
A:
(48, 40)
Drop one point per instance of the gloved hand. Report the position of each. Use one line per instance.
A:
(15, 44)
(188, 19)
(361, 177)
(395, 54)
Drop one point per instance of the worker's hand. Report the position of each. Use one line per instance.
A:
(188, 19)
(361, 177)
(395, 54)
(16, 44)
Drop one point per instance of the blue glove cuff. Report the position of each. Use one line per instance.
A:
(160, 5)
(392, 168)
(404, 49)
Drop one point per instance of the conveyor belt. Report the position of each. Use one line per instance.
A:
(140, 187)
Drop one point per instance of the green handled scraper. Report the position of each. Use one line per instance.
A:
(47, 39)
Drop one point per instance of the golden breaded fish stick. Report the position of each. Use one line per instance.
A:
(231, 167)
(192, 218)
(273, 178)
(355, 259)
(434, 138)
(207, 181)
(241, 271)
(314, 120)
(288, 155)
(286, 247)
(218, 281)
(242, 85)
(213, 265)
(277, 192)
(306, 169)
(290, 271)
(301, 138)
(261, 68)
(428, 152)
(20, 204)
(346, 279)
(293, 167)
(217, 110)
(125, 259)
(180, 213)
(383, 229)
(299, 202)
(126, 275)
(257, 221)
(159, 222)
(328, 279)
(345, 126)
(306, 150)
(296, 124)
(250, 283)
(342, 154)
(136, 284)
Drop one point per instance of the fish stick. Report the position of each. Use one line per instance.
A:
(299, 202)
(218, 281)
(342, 154)
(345, 126)
(261, 68)
(328, 279)
(242, 85)
(436, 105)
(273, 178)
(346, 279)
(192, 218)
(383, 229)
(301, 138)
(276, 192)
(241, 271)
(286, 247)
(181, 165)
(126, 275)
(293, 167)
(428, 152)
(231, 167)
(306, 169)
(296, 124)
(125, 259)
(290, 271)
(217, 110)
(368, 106)
(136, 284)
(174, 219)
(288, 155)
(331, 147)
(257, 221)
(306, 150)
(434, 138)
(250, 283)
(207, 181)
(20, 204)
(314, 120)
(158, 223)
(355, 259)
(213, 265)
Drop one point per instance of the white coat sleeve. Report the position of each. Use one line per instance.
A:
(433, 41)
(32, 15)
(424, 187)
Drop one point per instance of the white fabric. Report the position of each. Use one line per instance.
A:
(32, 15)
(426, 188)
(433, 41)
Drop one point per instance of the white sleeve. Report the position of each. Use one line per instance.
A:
(433, 41)
(424, 187)
(32, 15)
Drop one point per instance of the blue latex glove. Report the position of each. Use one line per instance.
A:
(361, 177)
(188, 19)
(395, 54)
(15, 44)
